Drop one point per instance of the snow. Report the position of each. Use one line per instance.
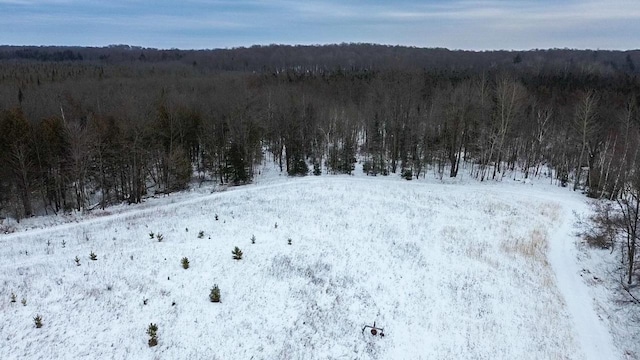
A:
(450, 271)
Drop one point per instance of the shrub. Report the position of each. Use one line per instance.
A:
(77, 260)
(64, 243)
(38, 321)
(289, 241)
(407, 174)
(160, 237)
(200, 234)
(237, 253)
(152, 331)
(253, 239)
(214, 295)
(216, 217)
(13, 297)
(93, 256)
(185, 263)
(24, 302)
(151, 235)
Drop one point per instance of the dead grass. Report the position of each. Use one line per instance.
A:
(532, 247)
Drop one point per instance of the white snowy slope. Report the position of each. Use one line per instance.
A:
(449, 271)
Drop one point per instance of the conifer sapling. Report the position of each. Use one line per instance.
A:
(93, 256)
(253, 239)
(214, 295)
(185, 263)
(38, 321)
(237, 253)
(152, 331)
(13, 297)
(77, 260)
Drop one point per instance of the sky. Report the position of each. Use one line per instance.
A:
(209, 24)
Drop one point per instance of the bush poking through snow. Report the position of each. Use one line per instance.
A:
(160, 237)
(253, 239)
(152, 331)
(200, 234)
(151, 235)
(24, 301)
(93, 256)
(214, 295)
(289, 241)
(13, 297)
(185, 263)
(38, 321)
(237, 253)
(77, 260)
(216, 217)
(275, 226)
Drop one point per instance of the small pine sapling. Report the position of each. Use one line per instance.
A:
(214, 295)
(77, 260)
(13, 297)
(200, 234)
(237, 253)
(64, 243)
(216, 217)
(253, 239)
(48, 243)
(160, 237)
(24, 301)
(275, 226)
(151, 235)
(152, 331)
(38, 321)
(93, 256)
(289, 241)
(185, 263)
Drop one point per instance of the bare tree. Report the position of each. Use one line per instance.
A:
(586, 126)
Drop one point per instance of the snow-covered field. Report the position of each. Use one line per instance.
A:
(449, 271)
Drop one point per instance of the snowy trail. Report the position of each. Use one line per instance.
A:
(593, 336)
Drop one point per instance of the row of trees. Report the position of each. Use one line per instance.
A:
(119, 136)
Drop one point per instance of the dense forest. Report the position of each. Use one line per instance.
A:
(88, 127)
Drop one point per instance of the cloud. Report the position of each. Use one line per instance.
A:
(486, 24)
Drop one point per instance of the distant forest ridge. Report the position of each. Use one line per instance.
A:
(332, 57)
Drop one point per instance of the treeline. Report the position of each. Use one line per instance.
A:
(329, 58)
(83, 133)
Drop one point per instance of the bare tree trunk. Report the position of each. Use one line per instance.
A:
(585, 121)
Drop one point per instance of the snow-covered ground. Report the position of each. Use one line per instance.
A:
(473, 271)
